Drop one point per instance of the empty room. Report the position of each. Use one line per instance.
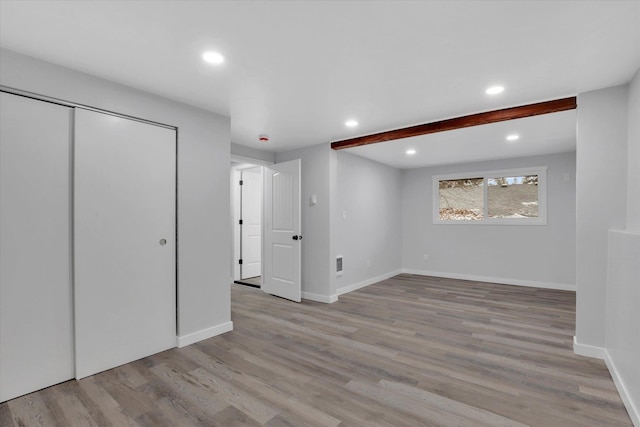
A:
(346, 213)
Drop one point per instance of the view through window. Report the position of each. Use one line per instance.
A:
(515, 196)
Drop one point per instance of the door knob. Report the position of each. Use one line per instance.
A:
(297, 237)
(163, 242)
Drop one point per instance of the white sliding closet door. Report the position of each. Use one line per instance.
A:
(124, 234)
(36, 320)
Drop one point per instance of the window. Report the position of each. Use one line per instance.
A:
(515, 196)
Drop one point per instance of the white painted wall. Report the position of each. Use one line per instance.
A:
(316, 223)
(623, 317)
(368, 225)
(601, 194)
(203, 181)
(633, 156)
(623, 280)
(252, 153)
(530, 255)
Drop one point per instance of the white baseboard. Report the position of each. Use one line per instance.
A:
(320, 298)
(632, 409)
(587, 350)
(350, 288)
(185, 340)
(501, 280)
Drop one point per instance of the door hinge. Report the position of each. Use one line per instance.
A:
(240, 222)
(241, 182)
(240, 261)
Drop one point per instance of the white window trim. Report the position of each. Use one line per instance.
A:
(541, 171)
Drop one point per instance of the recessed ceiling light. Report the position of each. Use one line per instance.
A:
(351, 123)
(513, 137)
(410, 152)
(494, 90)
(213, 57)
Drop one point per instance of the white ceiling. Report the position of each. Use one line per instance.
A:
(551, 133)
(297, 70)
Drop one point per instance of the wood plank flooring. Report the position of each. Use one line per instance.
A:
(408, 351)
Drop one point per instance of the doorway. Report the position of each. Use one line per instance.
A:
(246, 201)
(266, 226)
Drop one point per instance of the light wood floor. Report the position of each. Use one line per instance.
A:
(409, 351)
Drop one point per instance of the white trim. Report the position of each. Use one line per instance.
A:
(632, 409)
(500, 280)
(350, 288)
(203, 334)
(587, 350)
(320, 298)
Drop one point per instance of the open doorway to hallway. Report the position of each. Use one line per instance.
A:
(246, 208)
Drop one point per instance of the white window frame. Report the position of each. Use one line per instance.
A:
(541, 171)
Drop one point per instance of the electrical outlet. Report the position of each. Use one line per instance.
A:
(426, 257)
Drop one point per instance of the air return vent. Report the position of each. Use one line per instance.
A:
(338, 265)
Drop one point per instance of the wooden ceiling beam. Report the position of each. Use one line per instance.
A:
(461, 122)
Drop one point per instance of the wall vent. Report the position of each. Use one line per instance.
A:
(339, 265)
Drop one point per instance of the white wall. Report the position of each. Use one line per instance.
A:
(601, 193)
(252, 153)
(529, 255)
(369, 196)
(633, 156)
(203, 181)
(623, 280)
(316, 223)
(622, 350)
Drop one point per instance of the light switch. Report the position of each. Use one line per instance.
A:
(313, 200)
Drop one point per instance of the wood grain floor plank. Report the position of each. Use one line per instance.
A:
(236, 397)
(6, 418)
(109, 407)
(189, 390)
(31, 410)
(408, 351)
(473, 414)
(75, 413)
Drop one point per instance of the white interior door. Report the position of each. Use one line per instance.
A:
(124, 235)
(282, 232)
(251, 216)
(36, 317)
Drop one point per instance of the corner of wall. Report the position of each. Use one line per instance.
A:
(633, 408)
(587, 350)
(327, 299)
(185, 340)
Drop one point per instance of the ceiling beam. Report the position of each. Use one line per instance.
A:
(461, 122)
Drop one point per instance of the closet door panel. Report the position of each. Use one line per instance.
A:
(36, 321)
(124, 233)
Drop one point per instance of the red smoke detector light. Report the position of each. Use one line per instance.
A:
(263, 137)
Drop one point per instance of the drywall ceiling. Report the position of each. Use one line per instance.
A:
(297, 70)
(546, 134)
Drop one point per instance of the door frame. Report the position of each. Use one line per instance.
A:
(235, 210)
